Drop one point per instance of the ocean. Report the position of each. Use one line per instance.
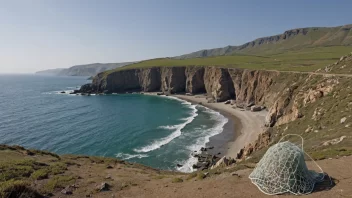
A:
(156, 131)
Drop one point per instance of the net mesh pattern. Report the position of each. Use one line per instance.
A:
(283, 169)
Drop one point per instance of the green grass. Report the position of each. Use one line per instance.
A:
(58, 182)
(13, 188)
(307, 59)
(40, 174)
(177, 180)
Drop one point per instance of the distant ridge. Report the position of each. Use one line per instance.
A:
(290, 39)
(84, 70)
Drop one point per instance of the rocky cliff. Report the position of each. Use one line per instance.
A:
(303, 102)
(248, 87)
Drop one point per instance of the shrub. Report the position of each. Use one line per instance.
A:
(177, 180)
(14, 188)
(58, 182)
(40, 174)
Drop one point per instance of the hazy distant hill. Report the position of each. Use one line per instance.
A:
(289, 40)
(84, 70)
(50, 71)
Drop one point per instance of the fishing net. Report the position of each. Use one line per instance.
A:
(283, 169)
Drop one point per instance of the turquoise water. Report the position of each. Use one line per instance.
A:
(152, 130)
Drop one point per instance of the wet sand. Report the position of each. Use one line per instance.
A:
(243, 126)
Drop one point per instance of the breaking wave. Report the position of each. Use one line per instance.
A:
(202, 141)
(125, 156)
(178, 130)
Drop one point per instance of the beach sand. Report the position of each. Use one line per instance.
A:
(247, 125)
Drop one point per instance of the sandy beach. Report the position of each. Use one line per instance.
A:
(247, 124)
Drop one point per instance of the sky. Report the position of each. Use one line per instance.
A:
(45, 34)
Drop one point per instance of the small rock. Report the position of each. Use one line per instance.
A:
(309, 129)
(334, 141)
(343, 120)
(203, 149)
(109, 166)
(68, 190)
(108, 177)
(63, 92)
(228, 102)
(250, 104)
(102, 187)
(256, 108)
(236, 174)
(179, 165)
(211, 147)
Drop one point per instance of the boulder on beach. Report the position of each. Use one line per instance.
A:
(256, 108)
(223, 162)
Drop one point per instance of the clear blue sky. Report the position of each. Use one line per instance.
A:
(43, 34)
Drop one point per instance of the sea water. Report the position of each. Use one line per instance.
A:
(156, 131)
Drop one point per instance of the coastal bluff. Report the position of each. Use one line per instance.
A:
(310, 104)
(278, 91)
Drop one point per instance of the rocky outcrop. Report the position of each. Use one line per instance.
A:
(219, 84)
(195, 80)
(251, 85)
(173, 79)
(150, 79)
(283, 93)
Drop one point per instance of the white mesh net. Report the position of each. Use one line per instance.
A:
(283, 169)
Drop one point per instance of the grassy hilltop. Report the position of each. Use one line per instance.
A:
(302, 49)
(308, 59)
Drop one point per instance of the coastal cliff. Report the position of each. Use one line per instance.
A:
(301, 102)
(278, 91)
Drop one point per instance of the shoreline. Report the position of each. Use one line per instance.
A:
(242, 128)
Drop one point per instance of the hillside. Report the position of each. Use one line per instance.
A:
(289, 40)
(50, 71)
(316, 106)
(37, 174)
(307, 59)
(84, 70)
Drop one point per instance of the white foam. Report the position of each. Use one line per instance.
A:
(169, 127)
(163, 141)
(201, 142)
(126, 156)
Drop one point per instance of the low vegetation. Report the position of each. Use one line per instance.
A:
(308, 59)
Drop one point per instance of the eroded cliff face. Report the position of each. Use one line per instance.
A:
(195, 80)
(149, 79)
(283, 93)
(173, 79)
(218, 84)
